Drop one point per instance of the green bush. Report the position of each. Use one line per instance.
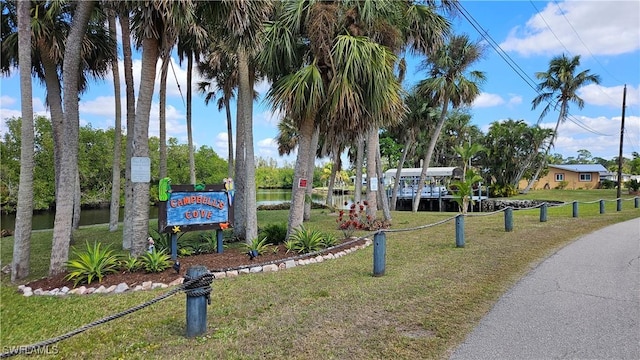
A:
(261, 246)
(130, 264)
(307, 240)
(562, 185)
(329, 240)
(503, 190)
(155, 261)
(607, 184)
(275, 233)
(633, 185)
(92, 264)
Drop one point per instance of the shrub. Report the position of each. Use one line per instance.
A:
(155, 261)
(290, 245)
(93, 263)
(261, 246)
(633, 185)
(357, 219)
(130, 264)
(275, 233)
(209, 243)
(503, 190)
(307, 240)
(607, 184)
(329, 240)
(562, 185)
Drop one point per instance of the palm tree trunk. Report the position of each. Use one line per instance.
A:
(163, 114)
(140, 208)
(77, 195)
(192, 160)
(357, 197)
(396, 181)
(114, 208)
(245, 99)
(312, 162)
(563, 109)
(301, 174)
(372, 178)
(54, 99)
(127, 227)
(429, 154)
(335, 165)
(24, 213)
(239, 210)
(227, 107)
(381, 190)
(69, 164)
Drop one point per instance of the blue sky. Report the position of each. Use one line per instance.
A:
(606, 34)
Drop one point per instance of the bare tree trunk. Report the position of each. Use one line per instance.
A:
(192, 160)
(77, 195)
(396, 181)
(69, 164)
(163, 113)
(357, 197)
(140, 209)
(239, 210)
(127, 226)
(300, 176)
(54, 100)
(335, 165)
(245, 99)
(372, 180)
(429, 154)
(230, 137)
(312, 166)
(114, 208)
(382, 191)
(24, 213)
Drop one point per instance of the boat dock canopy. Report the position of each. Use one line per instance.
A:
(432, 172)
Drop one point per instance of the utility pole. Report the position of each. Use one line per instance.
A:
(624, 99)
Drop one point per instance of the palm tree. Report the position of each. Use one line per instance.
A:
(69, 150)
(559, 84)
(448, 84)
(151, 19)
(114, 208)
(24, 212)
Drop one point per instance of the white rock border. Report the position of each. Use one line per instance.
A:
(148, 285)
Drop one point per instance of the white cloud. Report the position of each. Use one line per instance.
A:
(487, 100)
(268, 117)
(6, 101)
(606, 27)
(609, 96)
(515, 99)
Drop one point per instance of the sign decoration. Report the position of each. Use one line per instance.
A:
(302, 183)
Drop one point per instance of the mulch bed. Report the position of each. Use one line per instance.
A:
(230, 258)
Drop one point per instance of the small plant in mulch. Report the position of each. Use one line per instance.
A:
(357, 219)
(155, 261)
(91, 264)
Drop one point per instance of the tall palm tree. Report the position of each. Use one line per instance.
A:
(69, 150)
(448, 84)
(557, 89)
(24, 211)
(114, 208)
(151, 19)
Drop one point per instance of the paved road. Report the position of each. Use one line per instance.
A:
(581, 303)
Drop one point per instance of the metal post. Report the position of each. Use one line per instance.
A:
(619, 204)
(379, 253)
(508, 219)
(197, 299)
(543, 212)
(459, 230)
(636, 202)
(575, 209)
(174, 246)
(601, 206)
(219, 238)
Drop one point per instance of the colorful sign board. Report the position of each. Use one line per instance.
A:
(187, 209)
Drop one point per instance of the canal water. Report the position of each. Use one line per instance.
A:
(44, 219)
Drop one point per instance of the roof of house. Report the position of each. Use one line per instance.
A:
(581, 167)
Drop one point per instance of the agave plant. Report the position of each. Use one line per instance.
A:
(92, 264)
(307, 240)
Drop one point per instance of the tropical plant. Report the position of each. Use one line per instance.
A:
(290, 245)
(329, 240)
(155, 261)
(130, 263)
(307, 240)
(275, 233)
(257, 246)
(448, 83)
(91, 264)
(557, 89)
(633, 185)
(464, 190)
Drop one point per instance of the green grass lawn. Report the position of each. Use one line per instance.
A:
(431, 296)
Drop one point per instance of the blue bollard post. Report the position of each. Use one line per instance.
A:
(601, 206)
(174, 247)
(619, 205)
(543, 212)
(459, 230)
(636, 202)
(508, 219)
(197, 299)
(575, 209)
(219, 238)
(379, 253)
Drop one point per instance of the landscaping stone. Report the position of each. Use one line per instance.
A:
(177, 281)
(270, 268)
(122, 287)
(147, 285)
(289, 264)
(220, 275)
(243, 271)
(232, 273)
(255, 269)
(110, 289)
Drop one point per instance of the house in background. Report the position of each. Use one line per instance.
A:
(574, 176)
